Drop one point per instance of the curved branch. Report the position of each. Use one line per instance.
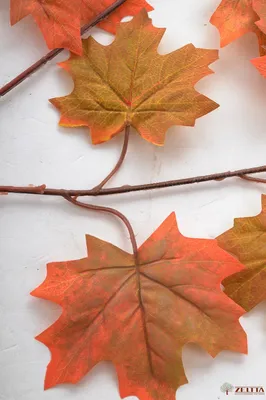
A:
(112, 211)
(42, 190)
(52, 54)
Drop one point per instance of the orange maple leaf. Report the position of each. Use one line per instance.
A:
(60, 21)
(140, 316)
(90, 8)
(234, 18)
(128, 82)
(246, 240)
(260, 64)
(259, 7)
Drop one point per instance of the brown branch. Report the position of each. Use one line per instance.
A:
(252, 179)
(52, 54)
(42, 190)
(119, 162)
(113, 212)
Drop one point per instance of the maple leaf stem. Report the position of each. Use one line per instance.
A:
(119, 162)
(52, 54)
(43, 190)
(112, 211)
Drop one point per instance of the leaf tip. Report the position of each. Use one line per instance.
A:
(53, 101)
(47, 384)
(171, 220)
(36, 292)
(215, 105)
(260, 64)
(32, 293)
(65, 64)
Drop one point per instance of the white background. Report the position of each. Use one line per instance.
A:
(37, 230)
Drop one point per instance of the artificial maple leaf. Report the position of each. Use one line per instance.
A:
(90, 8)
(259, 7)
(139, 316)
(247, 241)
(234, 18)
(261, 40)
(260, 64)
(60, 21)
(128, 82)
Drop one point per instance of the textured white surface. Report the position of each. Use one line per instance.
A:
(37, 230)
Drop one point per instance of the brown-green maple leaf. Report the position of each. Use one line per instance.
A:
(140, 314)
(128, 82)
(247, 241)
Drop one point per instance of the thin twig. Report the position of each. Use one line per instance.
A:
(112, 211)
(252, 179)
(52, 54)
(119, 162)
(42, 190)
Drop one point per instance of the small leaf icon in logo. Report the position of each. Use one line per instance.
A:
(226, 388)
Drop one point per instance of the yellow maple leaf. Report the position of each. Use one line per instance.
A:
(246, 240)
(129, 83)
